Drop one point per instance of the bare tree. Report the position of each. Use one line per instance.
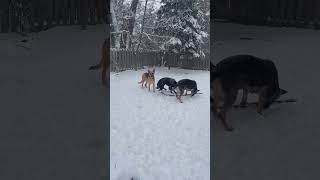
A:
(115, 28)
(143, 21)
(129, 22)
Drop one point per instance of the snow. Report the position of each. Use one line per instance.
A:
(153, 136)
(174, 41)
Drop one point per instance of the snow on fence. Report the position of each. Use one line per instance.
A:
(123, 59)
(44, 14)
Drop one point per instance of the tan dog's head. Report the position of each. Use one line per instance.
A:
(151, 73)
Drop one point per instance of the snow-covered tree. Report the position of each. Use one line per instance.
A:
(115, 27)
(204, 21)
(179, 20)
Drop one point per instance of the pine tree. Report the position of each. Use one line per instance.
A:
(179, 20)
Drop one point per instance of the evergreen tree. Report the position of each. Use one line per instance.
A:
(179, 20)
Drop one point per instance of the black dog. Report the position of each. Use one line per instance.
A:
(185, 85)
(250, 73)
(166, 81)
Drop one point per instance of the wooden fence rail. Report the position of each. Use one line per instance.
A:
(44, 14)
(122, 59)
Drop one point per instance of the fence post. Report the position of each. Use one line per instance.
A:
(72, 12)
(83, 14)
(99, 10)
(299, 13)
(91, 9)
(4, 16)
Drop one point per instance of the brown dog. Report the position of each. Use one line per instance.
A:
(149, 79)
(104, 62)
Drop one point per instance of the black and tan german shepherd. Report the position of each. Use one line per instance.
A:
(246, 72)
(185, 85)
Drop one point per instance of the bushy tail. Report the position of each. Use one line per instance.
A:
(95, 67)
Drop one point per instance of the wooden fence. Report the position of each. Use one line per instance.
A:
(296, 13)
(122, 59)
(48, 13)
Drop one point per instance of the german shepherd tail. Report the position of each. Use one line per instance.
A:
(95, 67)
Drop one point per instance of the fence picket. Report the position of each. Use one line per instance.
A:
(128, 59)
(65, 11)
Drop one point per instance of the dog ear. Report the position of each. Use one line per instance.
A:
(282, 91)
(154, 70)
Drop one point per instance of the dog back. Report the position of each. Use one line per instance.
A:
(246, 72)
(187, 84)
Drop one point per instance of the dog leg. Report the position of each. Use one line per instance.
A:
(149, 86)
(261, 101)
(194, 92)
(179, 94)
(244, 98)
(103, 77)
(222, 116)
(260, 106)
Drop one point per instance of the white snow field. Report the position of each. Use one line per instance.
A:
(155, 137)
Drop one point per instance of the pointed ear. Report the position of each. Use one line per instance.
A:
(282, 91)
(154, 70)
(149, 71)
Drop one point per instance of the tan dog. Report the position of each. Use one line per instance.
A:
(148, 77)
(104, 61)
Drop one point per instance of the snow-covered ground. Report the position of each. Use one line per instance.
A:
(153, 136)
(52, 109)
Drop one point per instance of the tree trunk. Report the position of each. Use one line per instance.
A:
(115, 27)
(144, 14)
(132, 19)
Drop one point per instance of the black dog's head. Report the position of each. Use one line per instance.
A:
(173, 82)
(272, 98)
